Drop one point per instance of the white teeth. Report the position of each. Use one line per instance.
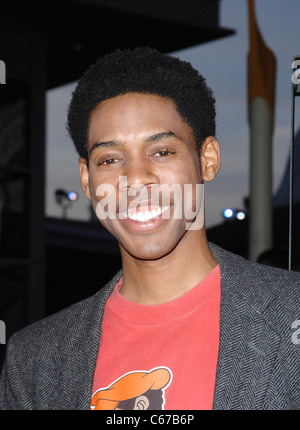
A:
(145, 216)
(140, 216)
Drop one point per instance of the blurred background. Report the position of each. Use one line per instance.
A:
(53, 251)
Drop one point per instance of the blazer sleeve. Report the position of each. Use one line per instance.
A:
(14, 394)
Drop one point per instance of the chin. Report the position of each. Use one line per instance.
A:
(148, 251)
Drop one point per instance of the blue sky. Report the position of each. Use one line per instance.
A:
(224, 64)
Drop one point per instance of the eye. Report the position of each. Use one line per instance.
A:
(163, 153)
(108, 161)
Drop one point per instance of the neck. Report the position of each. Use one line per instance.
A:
(164, 279)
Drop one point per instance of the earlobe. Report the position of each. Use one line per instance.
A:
(84, 177)
(210, 158)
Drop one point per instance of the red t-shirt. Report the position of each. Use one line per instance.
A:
(159, 356)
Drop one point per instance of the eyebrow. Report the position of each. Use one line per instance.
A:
(153, 138)
(102, 145)
(160, 136)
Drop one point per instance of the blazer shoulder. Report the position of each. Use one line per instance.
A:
(62, 327)
(38, 355)
(242, 276)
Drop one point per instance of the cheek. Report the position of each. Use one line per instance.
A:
(103, 198)
(192, 192)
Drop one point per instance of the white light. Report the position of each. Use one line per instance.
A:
(72, 196)
(227, 213)
(240, 215)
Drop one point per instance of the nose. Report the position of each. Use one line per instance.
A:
(138, 173)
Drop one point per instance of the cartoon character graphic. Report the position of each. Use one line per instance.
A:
(137, 390)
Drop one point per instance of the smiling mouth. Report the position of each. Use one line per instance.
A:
(145, 214)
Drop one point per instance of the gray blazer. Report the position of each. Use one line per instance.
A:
(50, 364)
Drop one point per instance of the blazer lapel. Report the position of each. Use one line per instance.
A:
(248, 343)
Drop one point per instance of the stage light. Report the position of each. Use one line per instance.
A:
(231, 214)
(72, 195)
(228, 213)
(240, 215)
(65, 199)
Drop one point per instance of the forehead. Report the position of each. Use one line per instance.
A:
(135, 112)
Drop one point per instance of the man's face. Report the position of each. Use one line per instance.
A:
(142, 140)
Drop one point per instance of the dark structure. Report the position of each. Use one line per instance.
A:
(233, 236)
(44, 45)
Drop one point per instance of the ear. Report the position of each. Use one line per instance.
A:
(210, 158)
(84, 177)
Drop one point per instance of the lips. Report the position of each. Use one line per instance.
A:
(144, 219)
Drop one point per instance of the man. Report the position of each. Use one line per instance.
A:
(186, 321)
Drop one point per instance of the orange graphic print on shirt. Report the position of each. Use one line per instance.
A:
(138, 390)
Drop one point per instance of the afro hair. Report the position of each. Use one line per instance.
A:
(142, 70)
